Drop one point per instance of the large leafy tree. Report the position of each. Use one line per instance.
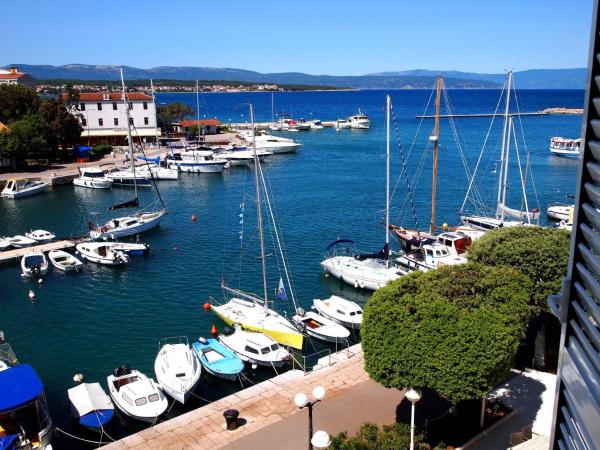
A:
(17, 101)
(27, 138)
(173, 112)
(63, 127)
(454, 330)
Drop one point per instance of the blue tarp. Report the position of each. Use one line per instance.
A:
(82, 151)
(8, 442)
(152, 160)
(19, 385)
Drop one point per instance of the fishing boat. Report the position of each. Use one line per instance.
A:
(135, 223)
(102, 253)
(20, 241)
(371, 270)
(342, 311)
(91, 406)
(40, 235)
(196, 161)
(569, 148)
(93, 178)
(560, 212)
(64, 261)
(359, 121)
(34, 264)
(217, 359)
(255, 347)
(23, 187)
(177, 369)
(136, 395)
(249, 310)
(320, 327)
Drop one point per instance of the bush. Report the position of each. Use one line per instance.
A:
(100, 150)
(370, 437)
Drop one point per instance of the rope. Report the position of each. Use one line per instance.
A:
(77, 437)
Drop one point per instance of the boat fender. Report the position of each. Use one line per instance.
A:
(362, 284)
(206, 307)
(355, 284)
(31, 294)
(194, 218)
(202, 340)
(78, 378)
(213, 330)
(301, 312)
(40, 280)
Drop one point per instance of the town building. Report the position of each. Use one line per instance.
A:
(13, 76)
(207, 126)
(103, 117)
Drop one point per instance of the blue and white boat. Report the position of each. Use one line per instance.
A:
(217, 359)
(91, 406)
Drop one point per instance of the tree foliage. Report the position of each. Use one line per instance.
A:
(63, 127)
(540, 253)
(17, 101)
(173, 112)
(370, 437)
(454, 330)
(27, 138)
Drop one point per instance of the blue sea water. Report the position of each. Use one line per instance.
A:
(333, 187)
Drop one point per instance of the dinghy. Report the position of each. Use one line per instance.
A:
(20, 241)
(255, 348)
(64, 261)
(217, 359)
(102, 253)
(177, 369)
(40, 235)
(34, 264)
(91, 406)
(340, 310)
(136, 395)
(320, 327)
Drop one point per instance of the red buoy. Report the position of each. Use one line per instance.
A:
(213, 330)
(206, 306)
(193, 217)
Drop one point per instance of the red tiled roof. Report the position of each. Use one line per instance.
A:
(12, 76)
(204, 122)
(111, 97)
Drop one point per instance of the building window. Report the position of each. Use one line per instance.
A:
(116, 121)
(83, 122)
(82, 106)
(100, 122)
(99, 106)
(130, 106)
(114, 106)
(145, 121)
(131, 121)
(145, 105)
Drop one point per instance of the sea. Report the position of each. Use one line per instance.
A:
(334, 187)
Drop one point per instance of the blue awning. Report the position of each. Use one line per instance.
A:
(19, 385)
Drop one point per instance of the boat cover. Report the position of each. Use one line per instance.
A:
(19, 385)
(128, 204)
(384, 253)
(534, 214)
(151, 160)
(88, 397)
(8, 442)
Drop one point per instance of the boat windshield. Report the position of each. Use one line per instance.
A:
(153, 397)
(140, 401)
(94, 174)
(274, 347)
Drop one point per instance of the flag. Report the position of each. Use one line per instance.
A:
(281, 295)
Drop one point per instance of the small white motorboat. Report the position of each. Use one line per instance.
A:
(20, 241)
(255, 348)
(196, 161)
(23, 187)
(102, 253)
(4, 244)
(177, 369)
(340, 310)
(40, 235)
(64, 261)
(132, 248)
(320, 327)
(91, 406)
(93, 177)
(34, 264)
(560, 212)
(136, 395)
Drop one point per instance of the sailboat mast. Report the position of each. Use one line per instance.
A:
(129, 138)
(503, 154)
(197, 113)
(435, 139)
(506, 157)
(155, 112)
(259, 212)
(273, 107)
(387, 177)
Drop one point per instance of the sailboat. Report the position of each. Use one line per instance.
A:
(503, 216)
(250, 311)
(140, 221)
(367, 271)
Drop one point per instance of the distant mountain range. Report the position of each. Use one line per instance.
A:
(408, 79)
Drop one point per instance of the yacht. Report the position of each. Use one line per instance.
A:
(23, 187)
(273, 144)
(94, 178)
(196, 161)
(359, 121)
(177, 369)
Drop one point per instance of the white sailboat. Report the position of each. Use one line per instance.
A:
(140, 221)
(367, 271)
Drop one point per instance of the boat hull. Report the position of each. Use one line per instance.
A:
(147, 223)
(356, 273)
(92, 183)
(25, 193)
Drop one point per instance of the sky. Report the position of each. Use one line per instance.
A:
(318, 37)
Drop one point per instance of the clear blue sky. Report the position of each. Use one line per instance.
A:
(318, 37)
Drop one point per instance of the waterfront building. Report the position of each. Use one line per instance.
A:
(207, 126)
(13, 76)
(102, 116)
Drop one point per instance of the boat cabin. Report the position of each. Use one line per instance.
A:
(457, 243)
(257, 348)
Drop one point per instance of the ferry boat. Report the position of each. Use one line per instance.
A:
(359, 121)
(569, 148)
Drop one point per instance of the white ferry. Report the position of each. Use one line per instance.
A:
(565, 147)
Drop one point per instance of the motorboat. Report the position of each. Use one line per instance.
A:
(177, 369)
(428, 257)
(4, 244)
(102, 253)
(91, 406)
(359, 121)
(128, 177)
(320, 327)
(40, 235)
(127, 225)
(196, 161)
(217, 359)
(241, 156)
(93, 178)
(20, 241)
(255, 348)
(560, 212)
(132, 248)
(23, 187)
(316, 124)
(303, 125)
(273, 144)
(64, 261)
(136, 395)
(34, 264)
(561, 146)
(157, 172)
(342, 311)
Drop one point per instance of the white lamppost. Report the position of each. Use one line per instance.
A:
(413, 397)
(320, 439)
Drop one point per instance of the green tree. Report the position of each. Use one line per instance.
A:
(173, 112)
(454, 330)
(540, 253)
(63, 128)
(17, 101)
(370, 437)
(27, 138)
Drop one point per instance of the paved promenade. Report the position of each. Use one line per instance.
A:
(271, 418)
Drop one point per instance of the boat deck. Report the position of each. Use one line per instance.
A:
(16, 253)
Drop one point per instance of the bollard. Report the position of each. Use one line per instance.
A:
(231, 418)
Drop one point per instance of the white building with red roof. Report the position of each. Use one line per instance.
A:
(13, 76)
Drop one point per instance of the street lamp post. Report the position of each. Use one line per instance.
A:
(413, 397)
(320, 439)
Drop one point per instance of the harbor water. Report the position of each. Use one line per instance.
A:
(334, 187)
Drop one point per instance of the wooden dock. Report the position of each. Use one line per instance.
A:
(17, 253)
